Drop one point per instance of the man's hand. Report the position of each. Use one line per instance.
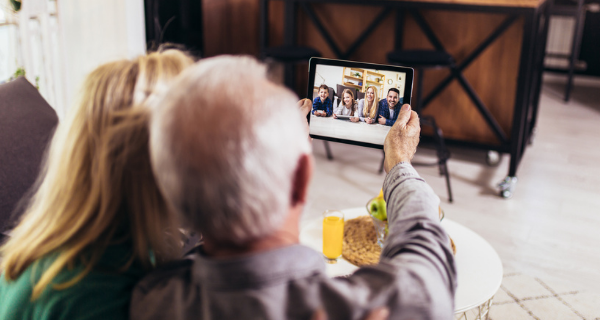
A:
(401, 142)
(381, 120)
(305, 106)
(377, 314)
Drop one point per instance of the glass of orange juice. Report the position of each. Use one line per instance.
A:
(333, 234)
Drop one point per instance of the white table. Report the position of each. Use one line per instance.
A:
(345, 129)
(478, 266)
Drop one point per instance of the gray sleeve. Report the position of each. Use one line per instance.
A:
(417, 244)
(337, 108)
(416, 275)
(361, 105)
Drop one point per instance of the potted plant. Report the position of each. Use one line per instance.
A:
(16, 4)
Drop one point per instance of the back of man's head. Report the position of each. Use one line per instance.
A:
(225, 143)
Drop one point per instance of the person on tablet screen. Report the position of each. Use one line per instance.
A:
(322, 105)
(367, 107)
(387, 108)
(347, 106)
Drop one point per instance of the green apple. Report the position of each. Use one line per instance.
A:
(378, 211)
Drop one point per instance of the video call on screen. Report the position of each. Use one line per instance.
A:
(355, 104)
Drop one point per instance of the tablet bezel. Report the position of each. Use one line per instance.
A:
(312, 67)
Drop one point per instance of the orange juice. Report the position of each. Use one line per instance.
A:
(333, 236)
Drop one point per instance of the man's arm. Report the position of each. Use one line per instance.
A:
(416, 240)
(417, 247)
(381, 116)
(389, 122)
(416, 275)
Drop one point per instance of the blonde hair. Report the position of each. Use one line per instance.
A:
(97, 179)
(370, 111)
(353, 103)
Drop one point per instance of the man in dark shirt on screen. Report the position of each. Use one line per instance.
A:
(387, 108)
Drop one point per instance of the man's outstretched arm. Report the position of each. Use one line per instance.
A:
(416, 244)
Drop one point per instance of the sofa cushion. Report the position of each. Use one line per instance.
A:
(27, 123)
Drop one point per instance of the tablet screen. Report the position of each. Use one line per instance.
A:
(354, 102)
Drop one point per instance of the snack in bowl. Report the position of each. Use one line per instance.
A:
(364, 236)
(360, 242)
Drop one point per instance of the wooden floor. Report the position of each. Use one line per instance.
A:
(549, 230)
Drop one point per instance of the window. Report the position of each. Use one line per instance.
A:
(10, 58)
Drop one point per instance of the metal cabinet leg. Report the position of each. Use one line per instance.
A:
(575, 48)
(507, 187)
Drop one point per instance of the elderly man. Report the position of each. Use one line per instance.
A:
(231, 154)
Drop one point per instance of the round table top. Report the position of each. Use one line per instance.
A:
(478, 265)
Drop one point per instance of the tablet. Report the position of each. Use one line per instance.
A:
(342, 117)
(374, 93)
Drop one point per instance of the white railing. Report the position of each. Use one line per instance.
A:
(41, 49)
(10, 56)
(60, 41)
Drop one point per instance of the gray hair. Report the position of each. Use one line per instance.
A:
(225, 143)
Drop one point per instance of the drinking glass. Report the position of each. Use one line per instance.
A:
(333, 234)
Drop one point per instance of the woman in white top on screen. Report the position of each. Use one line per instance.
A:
(367, 107)
(347, 106)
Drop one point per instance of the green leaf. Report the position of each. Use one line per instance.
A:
(16, 4)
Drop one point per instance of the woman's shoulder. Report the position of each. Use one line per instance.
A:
(98, 295)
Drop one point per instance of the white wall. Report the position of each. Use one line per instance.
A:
(332, 74)
(97, 31)
(398, 84)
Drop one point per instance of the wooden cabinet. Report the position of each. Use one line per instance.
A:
(361, 79)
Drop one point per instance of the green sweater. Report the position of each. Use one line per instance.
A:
(101, 294)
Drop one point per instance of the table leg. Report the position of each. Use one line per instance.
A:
(518, 135)
(541, 50)
(481, 312)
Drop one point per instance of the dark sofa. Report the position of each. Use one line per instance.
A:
(27, 123)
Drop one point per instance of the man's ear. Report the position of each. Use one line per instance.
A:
(302, 176)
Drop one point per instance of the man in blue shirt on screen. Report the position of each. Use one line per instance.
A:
(387, 107)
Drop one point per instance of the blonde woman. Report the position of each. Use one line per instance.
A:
(367, 107)
(97, 221)
(347, 106)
